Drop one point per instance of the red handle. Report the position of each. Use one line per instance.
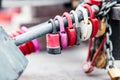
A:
(91, 13)
(69, 19)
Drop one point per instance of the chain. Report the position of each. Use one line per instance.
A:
(108, 46)
(106, 7)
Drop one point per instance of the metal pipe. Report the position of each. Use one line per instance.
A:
(44, 28)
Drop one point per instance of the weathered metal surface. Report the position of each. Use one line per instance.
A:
(12, 61)
(115, 12)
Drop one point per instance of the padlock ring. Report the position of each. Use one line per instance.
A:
(84, 12)
(61, 23)
(54, 30)
(69, 19)
(75, 18)
(91, 13)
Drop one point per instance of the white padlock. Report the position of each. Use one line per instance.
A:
(85, 25)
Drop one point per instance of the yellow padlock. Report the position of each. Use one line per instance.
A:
(114, 73)
(101, 60)
(102, 27)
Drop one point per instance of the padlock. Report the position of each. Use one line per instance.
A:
(53, 40)
(102, 27)
(93, 2)
(25, 46)
(85, 25)
(77, 28)
(114, 73)
(88, 66)
(34, 42)
(30, 47)
(71, 32)
(94, 21)
(101, 60)
(62, 33)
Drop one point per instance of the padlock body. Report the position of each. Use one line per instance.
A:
(86, 30)
(101, 60)
(53, 43)
(95, 24)
(63, 40)
(71, 33)
(114, 73)
(94, 2)
(102, 28)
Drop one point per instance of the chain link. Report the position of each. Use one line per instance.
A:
(108, 46)
(106, 7)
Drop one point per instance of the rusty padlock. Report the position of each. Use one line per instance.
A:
(53, 40)
(77, 28)
(93, 2)
(101, 60)
(71, 32)
(62, 33)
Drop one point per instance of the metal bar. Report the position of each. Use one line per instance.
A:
(115, 12)
(44, 28)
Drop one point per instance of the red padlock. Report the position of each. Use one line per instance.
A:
(24, 46)
(93, 2)
(88, 66)
(95, 22)
(35, 42)
(53, 40)
(29, 45)
(71, 32)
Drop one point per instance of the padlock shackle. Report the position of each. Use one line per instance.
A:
(90, 11)
(84, 12)
(75, 18)
(61, 23)
(69, 19)
(98, 50)
(54, 30)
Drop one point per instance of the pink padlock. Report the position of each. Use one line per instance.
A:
(35, 41)
(62, 33)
